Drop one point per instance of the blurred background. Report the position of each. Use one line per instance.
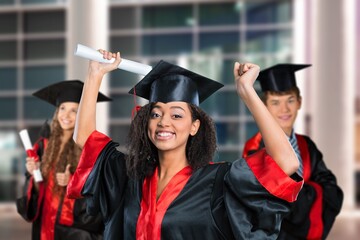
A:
(38, 39)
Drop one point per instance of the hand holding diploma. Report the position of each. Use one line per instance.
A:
(127, 65)
(32, 161)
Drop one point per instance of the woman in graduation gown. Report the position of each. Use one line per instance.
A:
(166, 187)
(45, 204)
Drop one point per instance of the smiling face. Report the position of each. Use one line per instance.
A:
(67, 115)
(170, 126)
(284, 109)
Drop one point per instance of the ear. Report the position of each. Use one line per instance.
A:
(195, 127)
(300, 102)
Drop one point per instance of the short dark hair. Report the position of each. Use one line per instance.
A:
(295, 90)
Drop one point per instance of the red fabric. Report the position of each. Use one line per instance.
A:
(67, 212)
(50, 207)
(272, 177)
(251, 144)
(152, 212)
(91, 150)
(316, 223)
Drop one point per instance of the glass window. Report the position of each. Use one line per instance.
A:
(167, 16)
(8, 50)
(123, 79)
(43, 49)
(219, 14)
(227, 156)
(7, 2)
(251, 128)
(122, 105)
(123, 18)
(265, 11)
(228, 133)
(8, 106)
(167, 44)
(119, 133)
(218, 104)
(35, 108)
(49, 21)
(39, 77)
(8, 78)
(37, 1)
(11, 23)
(224, 42)
(279, 41)
(126, 45)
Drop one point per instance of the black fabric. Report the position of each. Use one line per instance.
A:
(296, 225)
(219, 201)
(85, 226)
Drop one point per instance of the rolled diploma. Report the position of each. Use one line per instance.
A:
(24, 135)
(127, 65)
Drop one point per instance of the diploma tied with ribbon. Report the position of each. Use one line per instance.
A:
(24, 135)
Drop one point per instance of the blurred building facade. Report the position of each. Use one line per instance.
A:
(39, 37)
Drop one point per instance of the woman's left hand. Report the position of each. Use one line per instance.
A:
(63, 178)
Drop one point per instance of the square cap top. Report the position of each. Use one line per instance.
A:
(64, 91)
(167, 82)
(280, 77)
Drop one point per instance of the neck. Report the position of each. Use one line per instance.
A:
(171, 163)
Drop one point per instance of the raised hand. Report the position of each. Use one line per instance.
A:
(63, 178)
(103, 68)
(245, 75)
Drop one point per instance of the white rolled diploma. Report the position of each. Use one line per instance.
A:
(24, 136)
(127, 65)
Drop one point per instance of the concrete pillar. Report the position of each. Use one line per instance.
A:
(332, 88)
(87, 24)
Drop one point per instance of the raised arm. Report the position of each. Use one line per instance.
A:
(276, 143)
(86, 116)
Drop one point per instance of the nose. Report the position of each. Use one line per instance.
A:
(284, 107)
(164, 121)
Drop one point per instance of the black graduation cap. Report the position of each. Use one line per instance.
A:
(280, 77)
(167, 82)
(65, 91)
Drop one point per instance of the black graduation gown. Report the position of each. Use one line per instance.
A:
(243, 200)
(72, 221)
(320, 199)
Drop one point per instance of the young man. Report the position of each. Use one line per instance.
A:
(320, 199)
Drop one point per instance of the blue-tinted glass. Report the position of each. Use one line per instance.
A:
(219, 14)
(167, 44)
(167, 16)
(8, 50)
(35, 108)
(227, 76)
(8, 78)
(8, 108)
(44, 49)
(49, 21)
(251, 129)
(122, 105)
(37, 1)
(122, 18)
(39, 77)
(126, 45)
(119, 133)
(123, 79)
(218, 104)
(228, 133)
(7, 2)
(225, 42)
(269, 41)
(258, 12)
(11, 23)
(227, 156)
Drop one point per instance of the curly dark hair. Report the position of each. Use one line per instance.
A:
(142, 157)
(52, 158)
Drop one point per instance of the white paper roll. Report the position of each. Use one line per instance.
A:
(127, 65)
(37, 175)
(24, 135)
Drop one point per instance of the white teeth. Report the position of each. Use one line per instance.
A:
(164, 134)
